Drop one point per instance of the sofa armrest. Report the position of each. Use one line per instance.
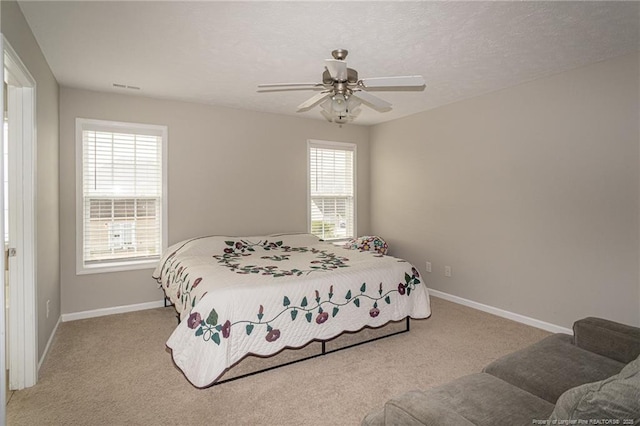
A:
(415, 408)
(374, 418)
(611, 339)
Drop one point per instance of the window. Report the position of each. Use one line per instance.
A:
(121, 195)
(332, 189)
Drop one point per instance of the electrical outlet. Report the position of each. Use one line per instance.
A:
(447, 271)
(48, 302)
(428, 267)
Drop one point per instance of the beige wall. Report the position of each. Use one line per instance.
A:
(530, 194)
(231, 172)
(18, 33)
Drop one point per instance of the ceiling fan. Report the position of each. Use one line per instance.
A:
(342, 93)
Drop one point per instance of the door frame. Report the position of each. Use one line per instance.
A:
(22, 328)
(3, 323)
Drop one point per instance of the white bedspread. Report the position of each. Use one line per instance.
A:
(258, 295)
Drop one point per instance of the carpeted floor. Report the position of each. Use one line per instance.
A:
(115, 370)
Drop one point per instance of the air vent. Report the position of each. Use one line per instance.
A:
(125, 86)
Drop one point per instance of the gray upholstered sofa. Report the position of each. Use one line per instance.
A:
(592, 377)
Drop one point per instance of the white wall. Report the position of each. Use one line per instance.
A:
(530, 194)
(231, 172)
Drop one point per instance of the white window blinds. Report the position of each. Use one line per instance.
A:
(332, 189)
(122, 192)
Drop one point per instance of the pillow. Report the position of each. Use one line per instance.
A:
(368, 243)
(616, 398)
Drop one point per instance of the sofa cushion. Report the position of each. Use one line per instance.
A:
(413, 408)
(611, 339)
(552, 366)
(478, 399)
(617, 397)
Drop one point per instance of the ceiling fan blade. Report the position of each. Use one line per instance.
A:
(373, 101)
(400, 81)
(287, 88)
(337, 69)
(313, 101)
(277, 90)
(326, 115)
(288, 85)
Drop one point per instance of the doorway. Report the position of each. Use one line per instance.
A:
(21, 321)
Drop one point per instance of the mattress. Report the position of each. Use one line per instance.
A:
(257, 295)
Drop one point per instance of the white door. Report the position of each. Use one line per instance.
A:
(21, 327)
(4, 221)
(3, 334)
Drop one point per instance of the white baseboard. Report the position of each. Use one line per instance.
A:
(46, 348)
(501, 313)
(111, 311)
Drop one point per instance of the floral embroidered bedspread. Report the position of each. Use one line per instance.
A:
(257, 295)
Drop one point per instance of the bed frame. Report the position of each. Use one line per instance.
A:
(323, 351)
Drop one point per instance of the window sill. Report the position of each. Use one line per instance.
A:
(117, 267)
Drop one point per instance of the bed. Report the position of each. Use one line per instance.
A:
(237, 296)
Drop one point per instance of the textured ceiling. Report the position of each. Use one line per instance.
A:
(217, 52)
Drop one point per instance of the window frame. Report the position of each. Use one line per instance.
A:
(123, 127)
(344, 146)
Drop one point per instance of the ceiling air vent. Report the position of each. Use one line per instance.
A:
(125, 86)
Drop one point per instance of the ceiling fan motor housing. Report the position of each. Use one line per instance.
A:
(340, 54)
(352, 77)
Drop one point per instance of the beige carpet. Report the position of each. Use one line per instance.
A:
(116, 371)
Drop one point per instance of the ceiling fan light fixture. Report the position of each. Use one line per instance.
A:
(353, 103)
(327, 115)
(326, 106)
(339, 103)
(344, 92)
(355, 112)
(341, 119)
